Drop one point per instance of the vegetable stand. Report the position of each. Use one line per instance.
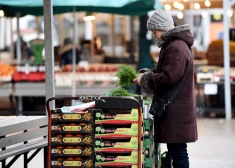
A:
(114, 137)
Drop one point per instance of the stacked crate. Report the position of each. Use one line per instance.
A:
(72, 139)
(116, 138)
(151, 149)
(148, 143)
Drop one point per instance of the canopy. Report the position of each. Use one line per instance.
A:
(122, 7)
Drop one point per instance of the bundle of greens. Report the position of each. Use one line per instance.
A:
(126, 74)
(119, 92)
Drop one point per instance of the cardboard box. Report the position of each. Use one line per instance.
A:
(72, 140)
(73, 151)
(116, 144)
(113, 116)
(84, 117)
(129, 158)
(112, 166)
(73, 128)
(72, 163)
(107, 130)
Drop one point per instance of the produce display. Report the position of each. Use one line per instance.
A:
(91, 68)
(213, 74)
(6, 72)
(30, 73)
(215, 53)
(100, 75)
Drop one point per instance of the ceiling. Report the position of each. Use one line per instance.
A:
(189, 4)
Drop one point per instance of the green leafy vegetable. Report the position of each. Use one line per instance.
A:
(119, 92)
(126, 74)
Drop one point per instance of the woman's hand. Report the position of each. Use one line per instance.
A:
(137, 80)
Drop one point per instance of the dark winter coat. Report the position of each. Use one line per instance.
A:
(66, 55)
(178, 125)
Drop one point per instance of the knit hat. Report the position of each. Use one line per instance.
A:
(160, 20)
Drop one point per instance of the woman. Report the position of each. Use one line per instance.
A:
(178, 125)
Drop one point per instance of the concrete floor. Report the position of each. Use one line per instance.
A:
(215, 147)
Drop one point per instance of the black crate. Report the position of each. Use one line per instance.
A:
(84, 163)
(87, 128)
(73, 151)
(72, 117)
(73, 140)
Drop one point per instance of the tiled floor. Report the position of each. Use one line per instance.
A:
(215, 147)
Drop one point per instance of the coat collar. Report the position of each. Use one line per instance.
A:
(177, 29)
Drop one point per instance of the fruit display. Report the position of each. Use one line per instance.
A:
(91, 75)
(30, 73)
(213, 74)
(215, 53)
(91, 68)
(6, 72)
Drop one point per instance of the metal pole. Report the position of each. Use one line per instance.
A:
(74, 54)
(191, 17)
(113, 51)
(38, 26)
(227, 86)
(128, 28)
(12, 42)
(49, 50)
(60, 18)
(18, 48)
(0, 32)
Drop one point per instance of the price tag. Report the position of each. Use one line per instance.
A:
(210, 89)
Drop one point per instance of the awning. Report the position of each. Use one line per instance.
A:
(122, 7)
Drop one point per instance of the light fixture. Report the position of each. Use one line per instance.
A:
(89, 17)
(167, 7)
(217, 16)
(204, 14)
(176, 4)
(208, 3)
(181, 7)
(1, 13)
(185, 0)
(230, 12)
(196, 5)
(180, 15)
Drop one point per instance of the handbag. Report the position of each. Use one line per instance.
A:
(158, 105)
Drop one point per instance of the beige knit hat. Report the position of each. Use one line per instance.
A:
(160, 20)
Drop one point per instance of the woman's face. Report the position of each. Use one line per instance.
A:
(157, 34)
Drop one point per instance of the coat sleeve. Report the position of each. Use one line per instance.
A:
(173, 69)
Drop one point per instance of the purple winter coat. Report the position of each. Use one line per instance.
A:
(178, 125)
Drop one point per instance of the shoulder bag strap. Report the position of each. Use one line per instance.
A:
(182, 80)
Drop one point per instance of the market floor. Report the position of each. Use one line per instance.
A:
(215, 147)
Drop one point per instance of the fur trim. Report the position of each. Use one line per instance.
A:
(177, 29)
(144, 81)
